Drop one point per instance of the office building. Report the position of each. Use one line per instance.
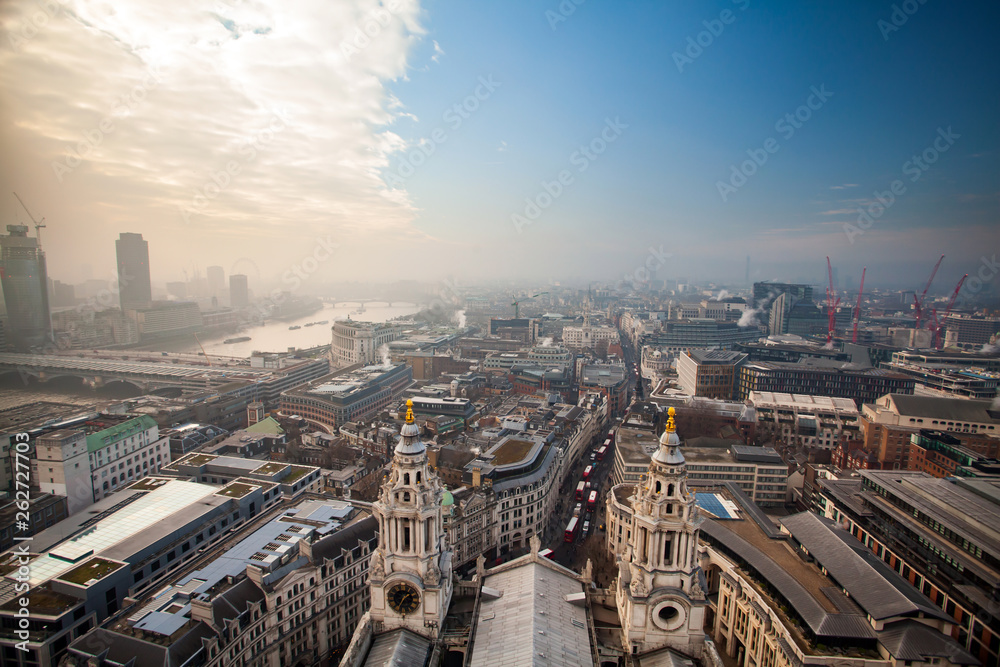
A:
(971, 330)
(215, 278)
(292, 590)
(677, 336)
(167, 319)
(83, 568)
(764, 293)
(239, 291)
(803, 421)
(709, 373)
(353, 394)
(134, 288)
(86, 467)
(362, 342)
(940, 535)
(25, 282)
(609, 379)
(821, 378)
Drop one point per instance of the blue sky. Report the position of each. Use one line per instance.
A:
(658, 183)
(257, 134)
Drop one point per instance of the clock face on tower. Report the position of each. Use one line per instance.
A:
(403, 598)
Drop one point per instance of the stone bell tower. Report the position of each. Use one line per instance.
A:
(411, 569)
(659, 598)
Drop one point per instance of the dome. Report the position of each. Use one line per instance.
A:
(410, 442)
(669, 452)
(447, 499)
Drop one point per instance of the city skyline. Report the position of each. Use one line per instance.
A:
(435, 138)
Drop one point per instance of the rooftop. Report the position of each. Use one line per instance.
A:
(803, 402)
(530, 602)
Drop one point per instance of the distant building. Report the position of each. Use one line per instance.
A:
(216, 279)
(808, 421)
(43, 511)
(709, 373)
(677, 336)
(609, 379)
(134, 288)
(25, 282)
(353, 394)
(764, 293)
(239, 291)
(166, 319)
(588, 337)
(821, 378)
(971, 330)
(359, 342)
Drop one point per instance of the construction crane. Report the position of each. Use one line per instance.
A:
(857, 307)
(207, 358)
(831, 303)
(936, 324)
(38, 223)
(517, 304)
(918, 303)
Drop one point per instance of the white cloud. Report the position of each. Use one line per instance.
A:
(438, 52)
(294, 94)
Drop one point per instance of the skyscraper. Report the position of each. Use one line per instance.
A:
(239, 292)
(134, 290)
(216, 280)
(25, 288)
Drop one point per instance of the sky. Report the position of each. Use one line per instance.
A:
(574, 140)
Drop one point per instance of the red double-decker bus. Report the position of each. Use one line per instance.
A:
(611, 436)
(587, 471)
(592, 501)
(601, 452)
(579, 490)
(571, 530)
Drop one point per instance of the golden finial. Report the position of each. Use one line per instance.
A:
(670, 420)
(409, 411)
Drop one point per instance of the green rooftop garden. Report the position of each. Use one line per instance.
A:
(235, 490)
(511, 451)
(270, 468)
(95, 568)
(297, 473)
(196, 459)
(148, 484)
(43, 601)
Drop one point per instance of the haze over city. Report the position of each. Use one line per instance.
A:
(427, 140)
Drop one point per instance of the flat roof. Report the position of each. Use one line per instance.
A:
(150, 517)
(802, 401)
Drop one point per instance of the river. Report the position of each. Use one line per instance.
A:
(272, 336)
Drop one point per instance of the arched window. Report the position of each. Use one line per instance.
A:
(406, 478)
(418, 477)
(406, 496)
(670, 489)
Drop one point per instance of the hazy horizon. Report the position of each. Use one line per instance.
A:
(452, 139)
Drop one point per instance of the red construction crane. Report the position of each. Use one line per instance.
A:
(919, 302)
(939, 324)
(857, 308)
(831, 304)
